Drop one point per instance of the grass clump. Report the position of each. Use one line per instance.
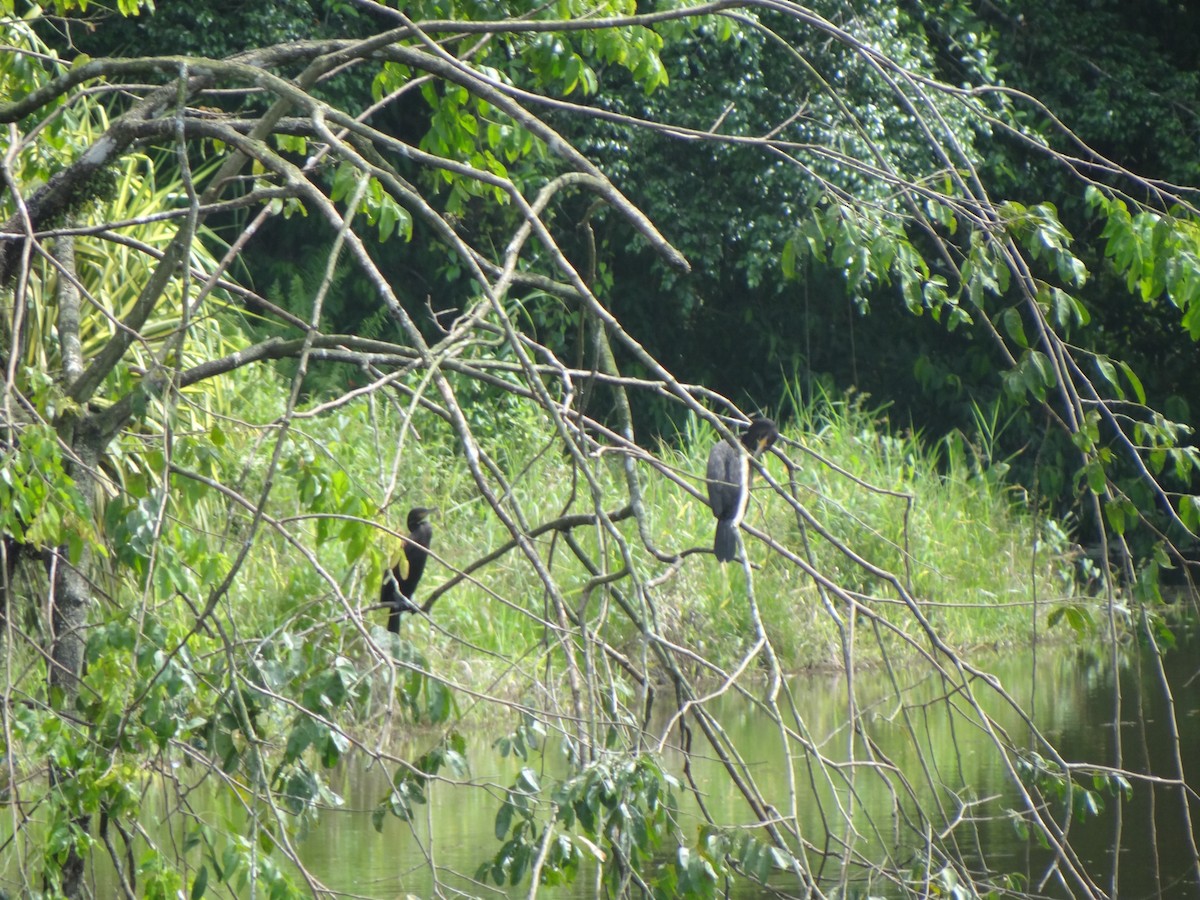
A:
(877, 508)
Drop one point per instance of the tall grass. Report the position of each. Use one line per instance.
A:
(933, 514)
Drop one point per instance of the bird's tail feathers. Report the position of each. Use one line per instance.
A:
(725, 543)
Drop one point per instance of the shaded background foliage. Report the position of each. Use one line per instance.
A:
(1122, 73)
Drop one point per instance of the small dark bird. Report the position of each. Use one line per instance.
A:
(729, 483)
(400, 583)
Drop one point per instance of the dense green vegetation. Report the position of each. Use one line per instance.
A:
(315, 263)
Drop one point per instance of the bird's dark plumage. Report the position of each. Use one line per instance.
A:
(400, 583)
(729, 483)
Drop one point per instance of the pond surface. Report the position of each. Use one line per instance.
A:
(1132, 847)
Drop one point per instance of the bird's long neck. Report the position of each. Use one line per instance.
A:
(415, 553)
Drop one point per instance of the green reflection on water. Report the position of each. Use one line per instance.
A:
(944, 757)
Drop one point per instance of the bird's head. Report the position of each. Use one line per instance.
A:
(419, 515)
(761, 434)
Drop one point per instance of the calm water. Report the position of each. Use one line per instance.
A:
(1073, 705)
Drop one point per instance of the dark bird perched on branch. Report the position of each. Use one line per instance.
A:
(400, 583)
(729, 483)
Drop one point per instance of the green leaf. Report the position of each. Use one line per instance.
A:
(1076, 617)
(457, 763)
(303, 733)
(1189, 511)
(787, 258)
(200, 883)
(1045, 369)
(503, 820)
(527, 781)
(332, 747)
(439, 701)
(400, 807)
(1109, 372)
(1014, 326)
(1115, 514)
(520, 862)
(345, 178)
(1134, 382)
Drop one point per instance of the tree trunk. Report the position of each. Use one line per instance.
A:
(70, 585)
(71, 598)
(71, 594)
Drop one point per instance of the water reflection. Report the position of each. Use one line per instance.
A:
(947, 760)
